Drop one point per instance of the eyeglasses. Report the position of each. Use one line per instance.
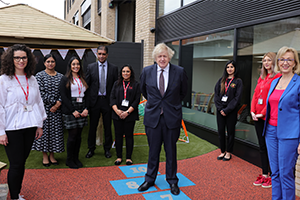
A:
(18, 59)
(282, 60)
(50, 61)
(269, 60)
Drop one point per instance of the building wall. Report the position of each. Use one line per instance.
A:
(145, 19)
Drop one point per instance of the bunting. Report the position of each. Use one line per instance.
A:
(63, 52)
(45, 51)
(80, 52)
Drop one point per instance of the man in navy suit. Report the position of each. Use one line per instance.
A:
(100, 77)
(164, 85)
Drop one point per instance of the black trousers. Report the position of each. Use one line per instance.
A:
(102, 106)
(124, 128)
(259, 127)
(73, 143)
(229, 122)
(17, 151)
(157, 136)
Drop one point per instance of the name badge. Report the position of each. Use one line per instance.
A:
(27, 108)
(260, 101)
(125, 103)
(224, 98)
(79, 100)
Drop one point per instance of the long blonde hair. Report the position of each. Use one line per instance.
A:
(264, 71)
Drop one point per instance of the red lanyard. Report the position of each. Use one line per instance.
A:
(26, 94)
(125, 89)
(227, 86)
(79, 85)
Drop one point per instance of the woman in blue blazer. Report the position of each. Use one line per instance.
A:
(282, 129)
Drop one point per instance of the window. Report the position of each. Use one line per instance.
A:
(99, 7)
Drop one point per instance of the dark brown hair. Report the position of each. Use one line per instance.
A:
(80, 73)
(7, 60)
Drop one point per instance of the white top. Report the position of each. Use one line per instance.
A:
(75, 90)
(12, 102)
(165, 74)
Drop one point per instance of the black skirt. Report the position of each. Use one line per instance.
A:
(70, 121)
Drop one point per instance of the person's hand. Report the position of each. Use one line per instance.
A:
(259, 115)
(76, 114)
(84, 113)
(124, 115)
(38, 133)
(53, 109)
(299, 148)
(119, 113)
(254, 116)
(222, 113)
(3, 140)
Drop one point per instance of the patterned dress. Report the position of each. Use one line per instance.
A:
(52, 139)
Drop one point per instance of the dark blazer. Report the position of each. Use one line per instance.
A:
(133, 96)
(66, 104)
(234, 94)
(170, 101)
(288, 126)
(92, 79)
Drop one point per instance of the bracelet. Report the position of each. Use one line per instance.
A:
(128, 112)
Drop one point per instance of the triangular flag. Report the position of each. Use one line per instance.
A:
(94, 50)
(80, 52)
(63, 52)
(32, 50)
(5, 48)
(45, 51)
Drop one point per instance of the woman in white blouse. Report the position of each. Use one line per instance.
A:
(21, 111)
(74, 109)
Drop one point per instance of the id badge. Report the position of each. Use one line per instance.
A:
(27, 108)
(125, 103)
(79, 100)
(224, 98)
(260, 101)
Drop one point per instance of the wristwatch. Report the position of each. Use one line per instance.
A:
(128, 112)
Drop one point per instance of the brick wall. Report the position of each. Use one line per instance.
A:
(145, 19)
(108, 17)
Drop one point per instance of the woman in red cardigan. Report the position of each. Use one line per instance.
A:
(258, 112)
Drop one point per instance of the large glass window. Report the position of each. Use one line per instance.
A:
(166, 6)
(185, 2)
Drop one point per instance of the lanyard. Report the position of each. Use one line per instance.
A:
(79, 85)
(125, 89)
(227, 86)
(26, 94)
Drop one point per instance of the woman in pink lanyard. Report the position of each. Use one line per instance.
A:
(258, 113)
(74, 109)
(228, 92)
(282, 130)
(124, 99)
(22, 112)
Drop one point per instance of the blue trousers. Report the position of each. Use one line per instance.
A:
(283, 157)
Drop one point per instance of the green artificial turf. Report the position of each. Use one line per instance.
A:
(195, 147)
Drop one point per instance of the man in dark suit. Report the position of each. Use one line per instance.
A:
(164, 85)
(100, 76)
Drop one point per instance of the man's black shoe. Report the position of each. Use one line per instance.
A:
(107, 154)
(175, 189)
(90, 154)
(145, 186)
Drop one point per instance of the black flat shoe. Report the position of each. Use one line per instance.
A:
(117, 162)
(227, 159)
(47, 164)
(53, 163)
(220, 157)
(107, 154)
(145, 186)
(129, 162)
(175, 189)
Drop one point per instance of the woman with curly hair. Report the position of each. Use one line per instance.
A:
(74, 109)
(21, 111)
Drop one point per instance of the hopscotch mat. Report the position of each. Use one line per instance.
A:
(130, 186)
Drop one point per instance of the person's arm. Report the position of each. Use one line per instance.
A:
(184, 85)
(143, 83)
(64, 95)
(235, 101)
(3, 97)
(217, 97)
